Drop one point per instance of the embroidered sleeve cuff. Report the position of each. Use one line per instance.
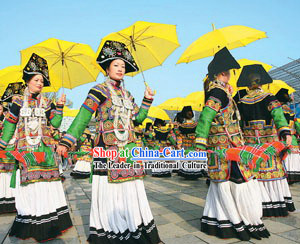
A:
(59, 108)
(3, 144)
(146, 103)
(91, 104)
(273, 105)
(11, 118)
(200, 140)
(68, 141)
(213, 103)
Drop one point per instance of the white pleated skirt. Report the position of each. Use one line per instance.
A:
(82, 169)
(189, 172)
(292, 165)
(276, 198)
(7, 194)
(234, 211)
(119, 212)
(42, 211)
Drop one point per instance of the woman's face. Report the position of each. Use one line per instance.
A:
(189, 115)
(36, 84)
(116, 70)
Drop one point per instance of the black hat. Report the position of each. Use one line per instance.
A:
(254, 73)
(135, 123)
(13, 89)
(112, 50)
(283, 95)
(222, 61)
(159, 122)
(36, 66)
(179, 118)
(148, 125)
(185, 110)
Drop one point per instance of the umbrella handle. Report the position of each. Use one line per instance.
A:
(146, 84)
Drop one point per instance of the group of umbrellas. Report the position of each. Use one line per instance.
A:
(73, 64)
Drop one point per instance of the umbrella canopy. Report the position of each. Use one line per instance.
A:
(210, 43)
(276, 85)
(234, 74)
(149, 43)
(70, 64)
(178, 103)
(13, 75)
(197, 97)
(147, 120)
(158, 113)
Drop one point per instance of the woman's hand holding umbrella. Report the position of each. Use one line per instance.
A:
(149, 94)
(62, 99)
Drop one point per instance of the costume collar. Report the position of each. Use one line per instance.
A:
(33, 95)
(255, 92)
(114, 83)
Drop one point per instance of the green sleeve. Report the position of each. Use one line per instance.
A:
(56, 137)
(143, 111)
(142, 115)
(297, 127)
(294, 140)
(203, 127)
(77, 127)
(171, 139)
(144, 140)
(8, 132)
(280, 122)
(56, 120)
(82, 138)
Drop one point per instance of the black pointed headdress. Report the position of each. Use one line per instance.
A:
(36, 66)
(112, 50)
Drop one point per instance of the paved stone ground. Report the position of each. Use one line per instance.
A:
(177, 206)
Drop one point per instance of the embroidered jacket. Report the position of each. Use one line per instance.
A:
(186, 134)
(218, 128)
(263, 121)
(33, 171)
(99, 101)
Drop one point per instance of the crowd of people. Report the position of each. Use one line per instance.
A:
(34, 153)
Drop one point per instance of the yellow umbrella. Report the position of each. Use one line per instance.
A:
(276, 85)
(149, 43)
(178, 103)
(197, 97)
(147, 120)
(210, 43)
(236, 72)
(14, 74)
(158, 113)
(70, 112)
(70, 64)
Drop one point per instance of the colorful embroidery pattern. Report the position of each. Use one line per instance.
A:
(273, 105)
(213, 103)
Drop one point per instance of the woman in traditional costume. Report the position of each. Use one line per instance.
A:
(84, 161)
(233, 205)
(120, 211)
(263, 121)
(42, 211)
(162, 138)
(187, 131)
(292, 162)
